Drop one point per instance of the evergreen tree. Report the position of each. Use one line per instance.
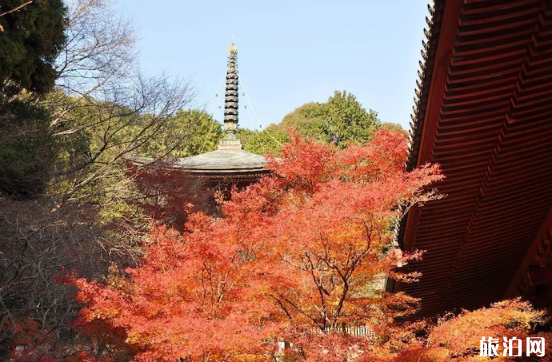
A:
(345, 120)
(27, 149)
(31, 40)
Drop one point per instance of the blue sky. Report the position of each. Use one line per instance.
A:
(290, 52)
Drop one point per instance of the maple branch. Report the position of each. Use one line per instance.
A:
(369, 230)
(282, 306)
(342, 298)
(296, 307)
(321, 290)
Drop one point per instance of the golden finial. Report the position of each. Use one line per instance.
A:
(233, 49)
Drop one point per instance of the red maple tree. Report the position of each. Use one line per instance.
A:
(296, 258)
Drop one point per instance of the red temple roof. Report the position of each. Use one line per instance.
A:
(484, 112)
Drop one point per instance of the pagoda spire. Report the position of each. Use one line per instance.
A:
(230, 141)
(231, 94)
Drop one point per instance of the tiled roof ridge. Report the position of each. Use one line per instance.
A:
(423, 85)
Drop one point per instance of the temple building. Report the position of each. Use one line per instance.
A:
(196, 179)
(483, 111)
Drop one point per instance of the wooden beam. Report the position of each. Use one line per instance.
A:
(536, 254)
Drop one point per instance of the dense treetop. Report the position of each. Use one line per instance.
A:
(31, 40)
(341, 120)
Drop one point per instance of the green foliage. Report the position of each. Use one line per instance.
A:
(33, 36)
(308, 120)
(27, 149)
(345, 119)
(341, 119)
(31, 39)
(187, 133)
(95, 137)
(267, 141)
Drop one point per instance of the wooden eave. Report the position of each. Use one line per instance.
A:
(483, 111)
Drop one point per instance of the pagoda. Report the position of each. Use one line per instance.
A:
(202, 179)
(229, 164)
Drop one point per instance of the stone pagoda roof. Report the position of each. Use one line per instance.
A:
(223, 161)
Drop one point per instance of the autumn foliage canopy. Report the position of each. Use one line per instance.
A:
(297, 260)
